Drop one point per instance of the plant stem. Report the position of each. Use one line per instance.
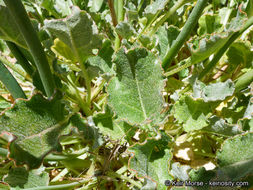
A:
(244, 80)
(113, 14)
(120, 11)
(15, 68)
(96, 91)
(217, 56)
(220, 53)
(82, 104)
(167, 15)
(10, 83)
(87, 84)
(50, 157)
(61, 187)
(186, 31)
(120, 18)
(20, 58)
(22, 20)
(176, 69)
(113, 174)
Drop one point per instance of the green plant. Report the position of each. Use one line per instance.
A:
(108, 94)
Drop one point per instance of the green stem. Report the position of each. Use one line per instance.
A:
(96, 91)
(87, 84)
(176, 69)
(117, 43)
(113, 174)
(10, 83)
(244, 80)
(120, 17)
(82, 104)
(186, 31)
(61, 187)
(50, 157)
(120, 11)
(15, 68)
(20, 58)
(167, 15)
(215, 59)
(220, 53)
(22, 20)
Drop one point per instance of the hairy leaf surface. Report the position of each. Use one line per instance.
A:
(151, 160)
(78, 32)
(135, 92)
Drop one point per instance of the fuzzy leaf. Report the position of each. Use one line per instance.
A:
(57, 8)
(63, 51)
(166, 36)
(4, 103)
(236, 149)
(219, 126)
(240, 53)
(8, 28)
(204, 46)
(125, 30)
(96, 5)
(89, 131)
(230, 174)
(103, 61)
(214, 92)
(180, 171)
(192, 113)
(108, 125)
(20, 178)
(151, 159)
(154, 7)
(209, 23)
(33, 125)
(135, 92)
(77, 31)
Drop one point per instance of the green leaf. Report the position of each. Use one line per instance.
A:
(151, 160)
(57, 8)
(166, 36)
(32, 127)
(78, 32)
(213, 92)
(236, 149)
(63, 51)
(204, 46)
(125, 30)
(96, 5)
(209, 23)
(108, 125)
(135, 92)
(89, 132)
(249, 109)
(3, 47)
(20, 178)
(192, 113)
(103, 61)
(154, 7)
(180, 171)
(4, 103)
(8, 28)
(230, 174)
(239, 53)
(220, 127)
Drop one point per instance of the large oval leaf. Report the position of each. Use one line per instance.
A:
(135, 92)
